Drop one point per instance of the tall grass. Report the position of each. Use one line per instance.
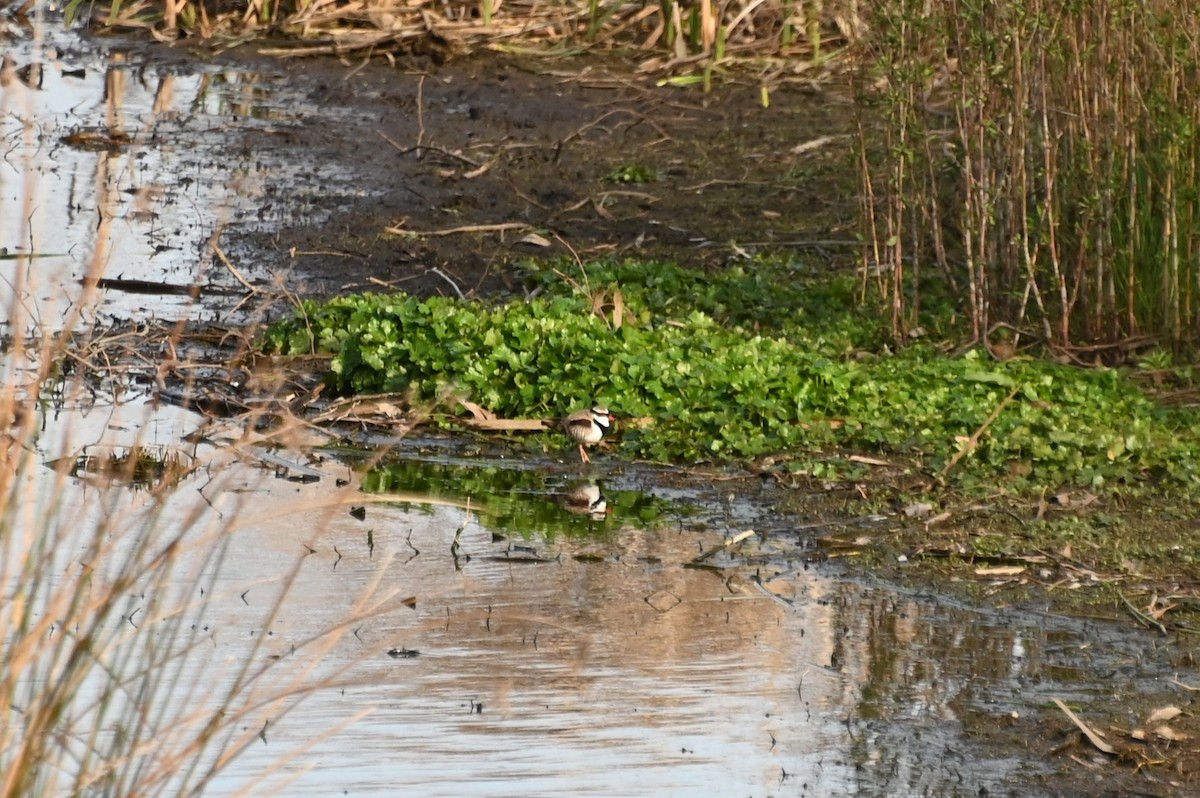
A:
(120, 670)
(1044, 157)
(118, 674)
(115, 676)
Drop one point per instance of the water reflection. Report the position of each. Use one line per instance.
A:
(122, 171)
(610, 664)
(572, 638)
(522, 648)
(585, 498)
(525, 502)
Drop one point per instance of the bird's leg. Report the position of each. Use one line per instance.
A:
(583, 457)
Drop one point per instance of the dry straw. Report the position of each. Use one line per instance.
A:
(673, 36)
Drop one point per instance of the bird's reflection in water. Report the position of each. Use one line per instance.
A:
(585, 498)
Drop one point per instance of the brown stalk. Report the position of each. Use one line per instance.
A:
(973, 441)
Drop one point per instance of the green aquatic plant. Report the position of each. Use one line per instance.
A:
(721, 378)
(631, 173)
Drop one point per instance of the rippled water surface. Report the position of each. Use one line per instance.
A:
(600, 657)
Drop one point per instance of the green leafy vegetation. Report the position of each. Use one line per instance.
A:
(631, 173)
(748, 362)
(519, 502)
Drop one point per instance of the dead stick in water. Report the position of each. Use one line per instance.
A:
(220, 253)
(1141, 617)
(729, 543)
(499, 227)
(973, 441)
(1093, 736)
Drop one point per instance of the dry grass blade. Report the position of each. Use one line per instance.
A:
(725, 545)
(499, 227)
(113, 563)
(103, 614)
(972, 442)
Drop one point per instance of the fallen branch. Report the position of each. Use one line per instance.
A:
(220, 253)
(447, 278)
(420, 148)
(507, 424)
(470, 228)
(973, 441)
(1141, 617)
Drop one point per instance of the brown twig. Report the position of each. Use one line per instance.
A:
(728, 543)
(220, 253)
(469, 228)
(1139, 616)
(428, 148)
(1092, 735)
(973, 441)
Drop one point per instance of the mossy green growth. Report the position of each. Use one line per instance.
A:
(820, 310)
(724, 375)
(631, 173)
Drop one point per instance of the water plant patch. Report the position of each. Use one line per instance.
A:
(725, 379)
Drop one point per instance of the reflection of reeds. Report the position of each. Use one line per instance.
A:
(112, 678)
(139, 465)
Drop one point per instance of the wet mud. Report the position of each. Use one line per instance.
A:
(464, 162)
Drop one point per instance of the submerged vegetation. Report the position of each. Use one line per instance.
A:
(746, 363)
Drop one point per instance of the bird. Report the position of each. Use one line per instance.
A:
(585, 498)
(587, 427)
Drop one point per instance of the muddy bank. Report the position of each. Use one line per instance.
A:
(464, 162)
(477, 155)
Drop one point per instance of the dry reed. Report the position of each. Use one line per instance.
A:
(111, 679)
(1044, 157)
(674, 36)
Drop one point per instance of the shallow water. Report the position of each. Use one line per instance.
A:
(604, 662)
(121, 169)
